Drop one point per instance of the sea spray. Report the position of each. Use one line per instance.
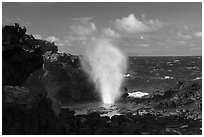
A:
(106, 65)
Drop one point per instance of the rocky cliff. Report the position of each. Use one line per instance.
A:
(36, 80)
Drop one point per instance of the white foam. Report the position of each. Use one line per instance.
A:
(138, 94)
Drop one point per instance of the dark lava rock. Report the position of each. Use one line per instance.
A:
(124, 124)
(66, 115)
(21, 55)
(121, 119)
(99, 122)
(93, 115)
(106, 117)
(103, 131)
(25, 112)
(61, 75)
(18, 64)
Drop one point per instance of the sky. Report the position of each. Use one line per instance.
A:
(138, 29)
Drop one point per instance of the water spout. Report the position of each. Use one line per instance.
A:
(106, 65)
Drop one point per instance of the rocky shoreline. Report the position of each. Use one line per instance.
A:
(37, 80)
(37, 117)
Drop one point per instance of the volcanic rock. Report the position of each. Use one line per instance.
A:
(21, 54)
(27, 112)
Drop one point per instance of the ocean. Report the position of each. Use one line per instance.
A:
(159, 72)
(148, 74)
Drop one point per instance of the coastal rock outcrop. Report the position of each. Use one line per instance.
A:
(21, 55)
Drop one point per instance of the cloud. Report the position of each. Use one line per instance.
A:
(137, 36)
(52, 39)
(75, 40)
(198, 34)
(110, 33)
(83, 30)
(153, 24)
(184, 36)
(83, 19)
(131, 24)
(37, 36)
(83, 27)
(60, 44)
(80, 32)
(167, 40)
(145, 45)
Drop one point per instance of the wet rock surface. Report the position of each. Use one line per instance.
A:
(129, 124)
(25, 112)
(153, 115)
